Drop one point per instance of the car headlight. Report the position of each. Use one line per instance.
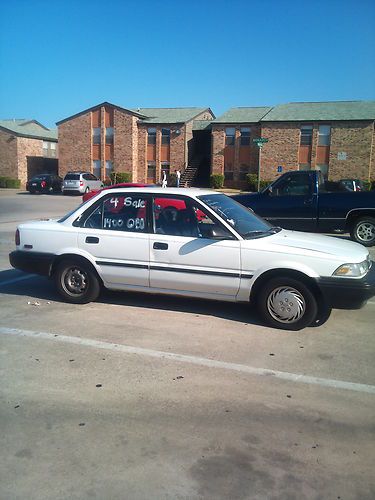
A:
(353, 270)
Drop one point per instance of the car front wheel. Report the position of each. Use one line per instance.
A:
(363, 231)
(287, 304)
(77, 282)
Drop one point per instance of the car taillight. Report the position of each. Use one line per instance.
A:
(81, 183)
(17, 238)
(43, 184)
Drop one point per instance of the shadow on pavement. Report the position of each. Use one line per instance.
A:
(41, 288)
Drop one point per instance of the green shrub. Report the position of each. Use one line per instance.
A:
(118, 177)
(252, 182)
(366, 185)
(263, 184)
(217, 181)
(8, 182)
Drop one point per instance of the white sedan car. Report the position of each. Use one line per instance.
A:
(196, 243)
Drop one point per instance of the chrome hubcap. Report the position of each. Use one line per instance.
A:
(366, 231)
(74, 281)
(286, 304)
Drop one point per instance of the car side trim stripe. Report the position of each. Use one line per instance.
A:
(121, 264)
(175, 269)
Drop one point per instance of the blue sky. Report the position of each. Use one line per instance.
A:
(59, 57)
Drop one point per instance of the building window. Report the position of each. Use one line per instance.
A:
(245, 136)
(96, 168)
(151, 136)
(53, 149)
(306, 135)
(109, 135)
(45, 147)
(324, 169)
(230, 136)
(244, 170)
(165, 166)
(228, 171)
(165, 136)
(108, 169)
(96, 135)
(151, 170)
(324, 135)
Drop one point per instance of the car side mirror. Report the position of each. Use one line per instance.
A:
(220, 233)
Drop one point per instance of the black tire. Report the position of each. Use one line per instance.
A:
(363, 231)
(87, 189)
(76, 282)
(287, 304)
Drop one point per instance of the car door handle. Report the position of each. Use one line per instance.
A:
(160, 246)
(92, 239)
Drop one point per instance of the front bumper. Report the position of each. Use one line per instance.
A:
(348, 293)
(32, 262)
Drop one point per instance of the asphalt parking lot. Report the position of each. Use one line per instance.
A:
(148, 397)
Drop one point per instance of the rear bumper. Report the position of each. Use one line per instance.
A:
(73, 190)
(32, 262)
(348, 293)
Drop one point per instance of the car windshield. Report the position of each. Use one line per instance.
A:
(244, 221)
(72, 177)
(66, 216)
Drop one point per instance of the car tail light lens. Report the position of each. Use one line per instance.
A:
(81, 183)
(17, 238)
(43, 184)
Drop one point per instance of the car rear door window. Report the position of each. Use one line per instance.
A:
(120, 213)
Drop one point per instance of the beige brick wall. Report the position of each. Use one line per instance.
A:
(75, 144)
(217, 149)
(282, 149)
(178, 154)
(27, 147)
(218, 145)
(352, 138)
(8, 155)
(125, 143)
(355, 140)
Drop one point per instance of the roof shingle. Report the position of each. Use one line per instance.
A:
(29, 128)
(322, 111)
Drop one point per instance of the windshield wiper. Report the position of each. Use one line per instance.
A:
(258, 233)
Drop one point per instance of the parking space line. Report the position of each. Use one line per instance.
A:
(14, 280)
(182, 358)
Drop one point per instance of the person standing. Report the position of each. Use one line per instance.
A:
(178, 176)
(164, 182)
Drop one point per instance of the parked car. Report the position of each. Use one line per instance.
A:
(80, 182)
(123, 240)
(300, 200)
(89, 194)
(44, 183)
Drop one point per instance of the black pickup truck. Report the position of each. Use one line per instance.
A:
(304, 201)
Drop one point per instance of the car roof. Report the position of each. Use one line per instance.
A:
(163, 191)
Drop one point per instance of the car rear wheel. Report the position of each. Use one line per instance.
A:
(363, 231)
(87, 189)
(287, 304)
(77, 282)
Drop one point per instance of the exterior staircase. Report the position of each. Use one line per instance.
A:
(189, 174)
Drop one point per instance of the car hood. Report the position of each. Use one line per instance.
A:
(296, 242)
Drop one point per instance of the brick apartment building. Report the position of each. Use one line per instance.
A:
(334, 137)
(143, 142)
(27, 148)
